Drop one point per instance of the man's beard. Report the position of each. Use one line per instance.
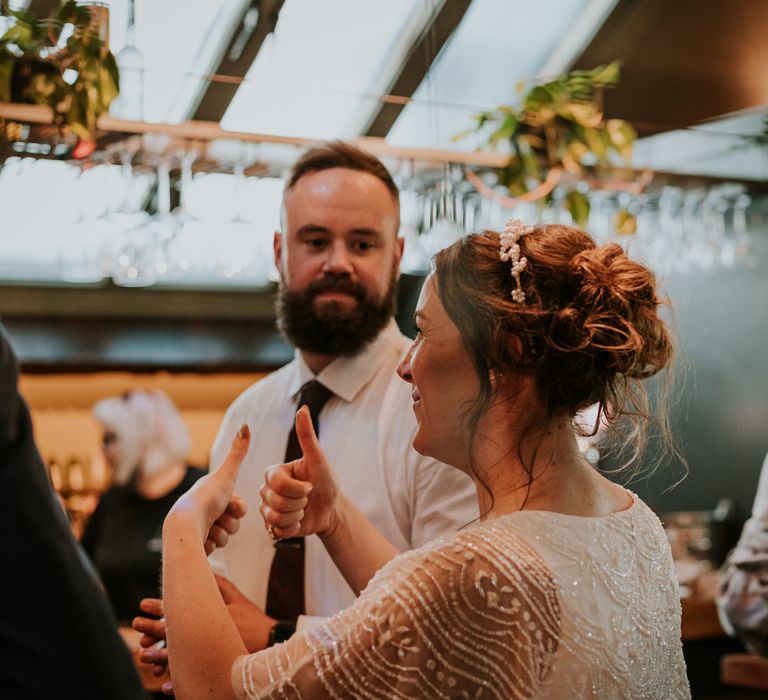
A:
(333, 329)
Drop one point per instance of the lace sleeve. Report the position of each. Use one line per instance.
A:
(472, 616)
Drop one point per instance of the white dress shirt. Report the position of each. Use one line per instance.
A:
(366, 431)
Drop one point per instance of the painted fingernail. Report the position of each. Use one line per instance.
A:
(244, 433)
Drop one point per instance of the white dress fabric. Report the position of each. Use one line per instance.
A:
(366, 431)
(529, 605)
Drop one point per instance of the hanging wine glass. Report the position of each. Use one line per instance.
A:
(235, 254)
(238, 255)
(183, 213)
(696, 249)
(79, 254)
(740, 230)
(137, 259)
(163, 226)
(414, 261)
(179, 249)
(260, 207)
(129, 103)
(135, 252)
(442, 216)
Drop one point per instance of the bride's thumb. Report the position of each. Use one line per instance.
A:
(231, 465)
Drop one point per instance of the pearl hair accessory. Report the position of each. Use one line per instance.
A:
(510, 251)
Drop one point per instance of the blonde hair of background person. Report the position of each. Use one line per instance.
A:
(564, 589)
(147, 432)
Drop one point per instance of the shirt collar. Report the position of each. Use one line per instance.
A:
(346, 376)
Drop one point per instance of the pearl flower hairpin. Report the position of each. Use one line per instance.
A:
(510, 252)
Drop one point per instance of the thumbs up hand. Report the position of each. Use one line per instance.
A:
(211, 502)
(299, 498)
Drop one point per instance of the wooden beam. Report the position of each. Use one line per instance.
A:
(683, 62)
(416, 65)
(211, 131)
(241, 51)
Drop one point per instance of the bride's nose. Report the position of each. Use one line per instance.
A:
(404, 368)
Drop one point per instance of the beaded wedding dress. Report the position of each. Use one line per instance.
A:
(529, 605)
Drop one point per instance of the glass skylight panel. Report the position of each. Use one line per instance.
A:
(180, 42)
(497, 44)
(315, 76)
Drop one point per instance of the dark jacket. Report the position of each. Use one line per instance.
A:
(58, 638)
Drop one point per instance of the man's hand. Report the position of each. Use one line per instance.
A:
(251, 621)
(300, 498)
(152, 641)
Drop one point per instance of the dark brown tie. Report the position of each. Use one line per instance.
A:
(285, 591)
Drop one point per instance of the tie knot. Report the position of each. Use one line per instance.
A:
(315, 396)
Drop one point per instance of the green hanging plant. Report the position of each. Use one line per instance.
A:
(558, 137)
(76, 77)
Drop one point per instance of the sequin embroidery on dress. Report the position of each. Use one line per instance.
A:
(531, 605)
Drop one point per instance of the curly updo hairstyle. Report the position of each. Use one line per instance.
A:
(589, 330)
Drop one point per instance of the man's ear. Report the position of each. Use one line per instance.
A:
(399, 247)
(277, 246)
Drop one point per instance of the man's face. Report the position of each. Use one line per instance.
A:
(338, 259)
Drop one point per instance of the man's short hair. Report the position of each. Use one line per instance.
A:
(337, 154)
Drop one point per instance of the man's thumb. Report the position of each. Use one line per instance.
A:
(305, 432)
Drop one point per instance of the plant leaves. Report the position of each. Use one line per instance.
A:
(558, 123)
(461, 135)
(625, 222)
(622, 136)
(32, 67)
(606, 75)
(595, 142)
(578, 205)
(583, 113)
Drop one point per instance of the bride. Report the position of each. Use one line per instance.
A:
(565, 586)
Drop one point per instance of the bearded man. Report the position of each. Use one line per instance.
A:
(338, 256)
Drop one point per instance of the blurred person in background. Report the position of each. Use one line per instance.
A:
(743, 596)
(145, 443)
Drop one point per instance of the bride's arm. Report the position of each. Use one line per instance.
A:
(303, 498)
(357, 548)
(203, 642)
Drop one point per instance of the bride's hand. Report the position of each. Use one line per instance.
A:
(211, 502)
(299, 498)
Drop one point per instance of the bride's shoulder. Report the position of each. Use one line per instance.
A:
(472, 559)
(486, 581)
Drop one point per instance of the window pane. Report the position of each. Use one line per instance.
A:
(497, 44)
(315, 75)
